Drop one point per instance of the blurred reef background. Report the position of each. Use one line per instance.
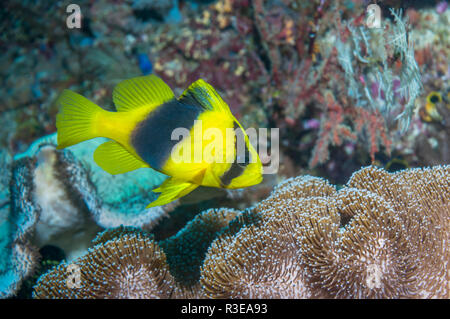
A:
(344, 97)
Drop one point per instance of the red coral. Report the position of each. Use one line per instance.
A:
(332, 129)
(375, 126)
(267, 57)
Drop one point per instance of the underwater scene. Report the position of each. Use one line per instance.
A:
(225, 149)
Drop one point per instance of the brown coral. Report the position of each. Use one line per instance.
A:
(366, 258)
(382, 236)
(420, 198)
(129, 266)
(263, 260)
(127, 263)
(254, 263)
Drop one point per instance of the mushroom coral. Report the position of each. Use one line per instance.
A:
(383, 235)
(126, 262)
(112, 200)
(128, 266)
(186, 250)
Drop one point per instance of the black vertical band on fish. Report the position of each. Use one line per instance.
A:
(152, 137)
(140, 134)
(238, 165)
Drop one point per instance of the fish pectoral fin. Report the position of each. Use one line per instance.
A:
(171, 190)
(115, 159)
(146, 91)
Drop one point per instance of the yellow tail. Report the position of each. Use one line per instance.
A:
(77, 120)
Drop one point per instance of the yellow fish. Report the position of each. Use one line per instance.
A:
(141, 135)
(431, 113)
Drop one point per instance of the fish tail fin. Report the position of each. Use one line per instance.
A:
(77, 120)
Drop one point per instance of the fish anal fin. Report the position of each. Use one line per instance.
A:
(115, 159)
(171, 190)
(141, 91)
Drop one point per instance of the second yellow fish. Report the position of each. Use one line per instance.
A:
(141, 135)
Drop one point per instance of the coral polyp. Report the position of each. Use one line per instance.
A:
(254, 263)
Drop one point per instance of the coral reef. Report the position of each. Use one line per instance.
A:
(186, 250)
(63, 195)
(119, 199)
(61, 199)
(341, 94)
(129, 266)
(360, 56)
(383, 235)
(310, 69)
(427, 141)
(49, 257)
(255, 263)
(111, 200)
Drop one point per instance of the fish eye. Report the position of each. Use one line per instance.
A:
(434, 98)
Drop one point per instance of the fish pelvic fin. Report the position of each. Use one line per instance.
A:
(171, 190)
(77, 120)
(113, 158)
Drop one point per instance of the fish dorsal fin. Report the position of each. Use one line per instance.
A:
(204, 95)
(172, 189)
(141, 91)
(115, 159)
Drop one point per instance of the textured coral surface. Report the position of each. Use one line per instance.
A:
(383, 235)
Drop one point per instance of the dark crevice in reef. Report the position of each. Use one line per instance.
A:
(148, 14)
